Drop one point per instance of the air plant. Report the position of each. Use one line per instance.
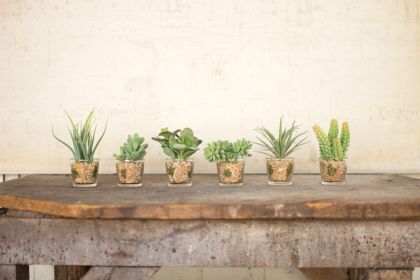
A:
(83, 145)
(284, 143)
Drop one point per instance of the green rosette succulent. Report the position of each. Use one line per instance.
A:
(132, 150)
(223, 150)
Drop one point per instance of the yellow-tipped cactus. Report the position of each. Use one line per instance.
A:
(333, 146)
(324, 143)
(333, 132)
(345, 137)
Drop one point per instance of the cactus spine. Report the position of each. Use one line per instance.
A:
(333, 146)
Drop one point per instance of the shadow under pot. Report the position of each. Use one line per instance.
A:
(280, 171)
(333, 172)
(179, 172)
(84, 173)
(130, 173)
(231, 173)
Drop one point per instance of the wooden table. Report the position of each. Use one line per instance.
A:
(372, 222)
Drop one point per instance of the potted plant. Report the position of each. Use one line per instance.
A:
(333, 149)
(130, 161)
(280, 166)
(230, 160)
(84, 167)
(179, 146)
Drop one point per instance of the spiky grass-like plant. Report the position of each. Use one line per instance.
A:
(283, 144)
(333, 146)
(82, 136)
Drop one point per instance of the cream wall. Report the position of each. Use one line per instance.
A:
(220, 67)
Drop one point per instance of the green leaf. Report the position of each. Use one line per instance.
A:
(179, 146)
(99, 140)
(169, 153)
(286, 143)
(61, 141)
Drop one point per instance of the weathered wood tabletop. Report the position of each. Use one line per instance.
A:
(363, 197)
(372, 221)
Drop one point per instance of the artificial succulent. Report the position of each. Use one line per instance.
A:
(333, 146)
(132, 150)
(281, 145)
(83, 146)
(223, 150)
(179, 144)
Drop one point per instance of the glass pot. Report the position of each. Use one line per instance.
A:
(84, 173)
(130, 173)
(280, 171)
(333, 172)
(179, 172)
(231, 173)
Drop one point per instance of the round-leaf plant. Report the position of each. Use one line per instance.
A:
(223, 150)
(178, 145)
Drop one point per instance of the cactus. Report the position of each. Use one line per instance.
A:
(179, 144)
(134, 149)
(333, 131)
(345, 137)
(82, 135)
(333, 146)
(227, 151)
(286, 143)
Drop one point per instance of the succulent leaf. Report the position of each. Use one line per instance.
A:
(324, 143)
(179, 144)
(133, 149)
(335, 145)
(286, 143)
(345, 137)
(226, 151)
(333, 131)
(83, 137)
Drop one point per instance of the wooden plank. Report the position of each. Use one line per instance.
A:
(22, 272)
(390, 274)
(60, 272)
(118, 273)
(64, 272)
(8, 272)
(364, 197)
(325, 273)
(14, 272)
(76, 272)
(210, 243)
(98, 273)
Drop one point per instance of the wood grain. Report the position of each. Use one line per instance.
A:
(14, 272)
(118, 273)
(212, 243)
(390, 274)
(364, 197)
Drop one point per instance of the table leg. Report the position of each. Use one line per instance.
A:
(14, 272)
(390, 274)
(65, 272)
(7, 272)
(116, 273)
